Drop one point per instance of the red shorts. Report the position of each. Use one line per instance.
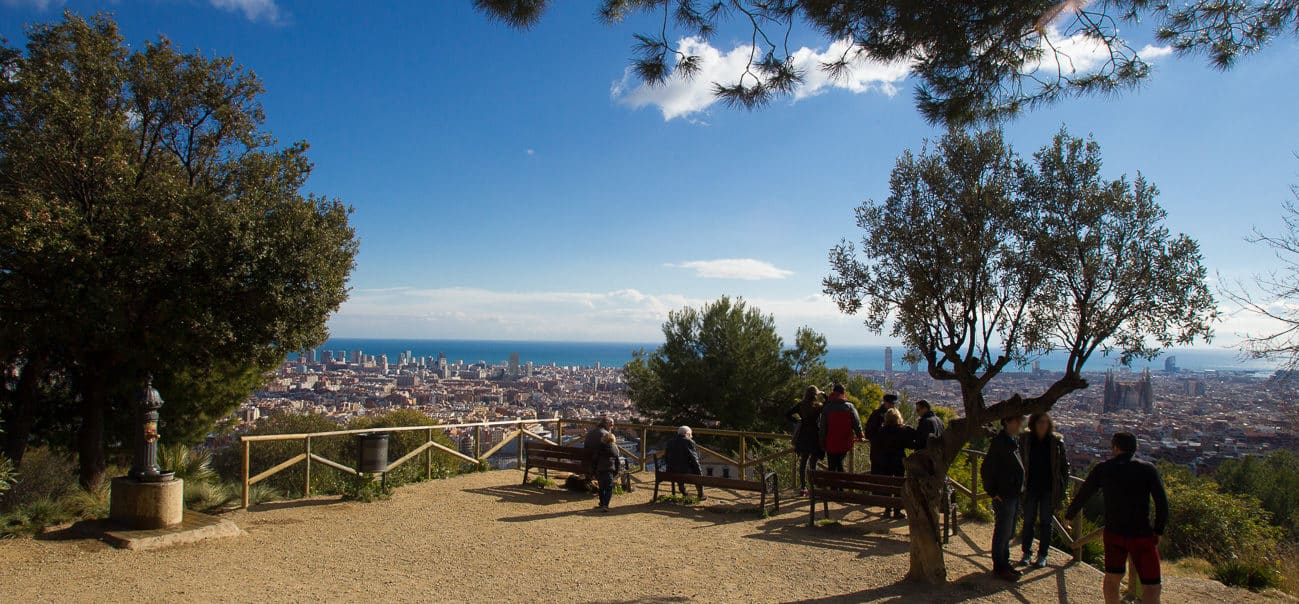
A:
(1144, 552)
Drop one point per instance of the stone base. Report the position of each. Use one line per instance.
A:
(195, 527)
(146, 505)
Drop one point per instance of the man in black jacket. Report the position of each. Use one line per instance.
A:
(929, 425)
(683, 458)
(1003, 480)
(1128, 485)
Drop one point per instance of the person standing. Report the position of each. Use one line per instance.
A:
(683, 458)
(1003, 480)
(930, 425)
(807, 441)
(593, 439)
(893, 441)
(1047, 465)
(875, 422)
(1128, 485)
(607, 462)
(839, 428)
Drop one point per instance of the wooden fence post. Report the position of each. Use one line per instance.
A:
(245, 460)
(478, 443)
(428, 457)
(306, 472)
(559, 432)
(644, 447)
(519, 453)
(744, 460)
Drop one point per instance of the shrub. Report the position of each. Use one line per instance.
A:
(190, 464)
(29, 518)
(1213, 525)
(542, 482)
(677, 499)
(401, 443)
(1273, 479)
(1254, 574)
(263, 493)
(209, 496)
(366, 489)
(82, 504)
(45, 475)
(263, 455)
(7, 475)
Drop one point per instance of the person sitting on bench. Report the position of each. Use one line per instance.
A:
(683, 458)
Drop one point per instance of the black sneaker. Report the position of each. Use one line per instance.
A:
(1025, 560)
(1008, 574)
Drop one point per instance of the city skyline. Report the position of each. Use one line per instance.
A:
(551, 198)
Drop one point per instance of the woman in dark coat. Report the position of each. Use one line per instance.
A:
(891, 450)
(807, 441)
(607, 461)
(1046, 483)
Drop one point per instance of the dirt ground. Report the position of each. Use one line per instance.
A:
(482, 537)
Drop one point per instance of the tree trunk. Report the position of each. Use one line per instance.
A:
(19, 419)
(925, 496)
(90, 438)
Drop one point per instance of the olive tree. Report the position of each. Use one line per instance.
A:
(979, 259)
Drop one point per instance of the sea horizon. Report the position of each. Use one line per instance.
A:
(854, 357)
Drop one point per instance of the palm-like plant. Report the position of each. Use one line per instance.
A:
(189, 464)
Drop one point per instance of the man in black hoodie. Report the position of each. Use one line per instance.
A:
(1003, 480)
(1129, 485)
(929, 425)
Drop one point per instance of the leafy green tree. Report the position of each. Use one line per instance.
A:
(149, 224)
(974, 60)
(979, 259)
(722, 364)
(1273, 479)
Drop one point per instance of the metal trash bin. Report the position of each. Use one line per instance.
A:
(372, 453)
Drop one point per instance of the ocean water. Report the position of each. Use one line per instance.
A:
(615, 354)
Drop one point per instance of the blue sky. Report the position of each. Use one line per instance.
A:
(514, 185)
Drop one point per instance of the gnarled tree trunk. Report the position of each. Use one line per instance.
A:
(21, 415)
(925, 496)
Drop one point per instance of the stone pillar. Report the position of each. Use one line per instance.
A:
(147, 505)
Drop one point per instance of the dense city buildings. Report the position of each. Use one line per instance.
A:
(1194, 418)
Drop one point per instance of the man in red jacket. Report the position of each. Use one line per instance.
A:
(840, 428)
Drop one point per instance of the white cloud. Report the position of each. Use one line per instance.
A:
(626, 315)
(33, 4)
(1079, 54)
(685, 97)
(747, 269)
(253, 10)
(531, 152)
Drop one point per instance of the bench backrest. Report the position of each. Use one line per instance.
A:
(856, 482)
(536, 449)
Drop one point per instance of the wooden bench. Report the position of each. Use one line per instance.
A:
(574, 460)
(868, 490)
(770, 483)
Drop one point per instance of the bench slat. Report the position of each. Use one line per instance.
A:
(709, 481)
(862, 498)
(849, 477)
(880, 489)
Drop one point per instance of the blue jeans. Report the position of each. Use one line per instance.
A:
(606, 487)
(1004, 512)
(1037, 515)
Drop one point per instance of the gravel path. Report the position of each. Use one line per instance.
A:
(482, 537)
